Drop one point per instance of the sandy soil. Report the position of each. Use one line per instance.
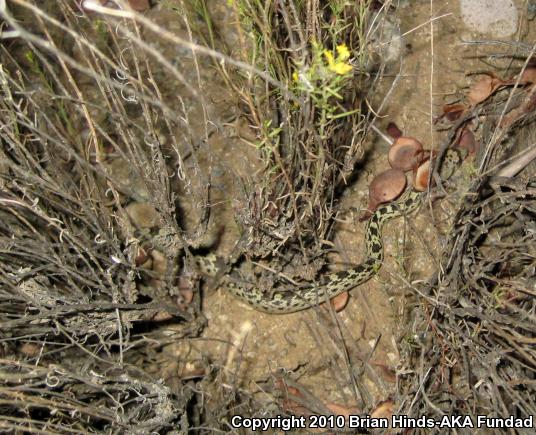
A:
(350, 358)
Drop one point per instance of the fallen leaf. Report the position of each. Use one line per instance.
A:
(528, 106)
(453, 112)
(345, 411)
(421, 175)
(282, 385)
(340, 301)
(139, 5)
(293, 408)
(385, 187)
(482, 89)
(393, 130)
(405, 153)
(383, 410)
(142, 258)
(528, 76)
(467, 141)
(288, 404)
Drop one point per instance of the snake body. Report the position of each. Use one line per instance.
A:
(333, 284)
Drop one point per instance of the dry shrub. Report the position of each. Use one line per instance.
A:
(95, 114)
(474, 350)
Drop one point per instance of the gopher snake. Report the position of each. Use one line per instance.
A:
(335, 283)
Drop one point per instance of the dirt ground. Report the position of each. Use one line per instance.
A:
(164, 142)
(376, 325)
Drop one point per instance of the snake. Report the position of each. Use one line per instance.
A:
(332, 284)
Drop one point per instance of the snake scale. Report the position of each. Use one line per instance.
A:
(335, 283)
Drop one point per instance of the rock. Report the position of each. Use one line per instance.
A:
(494, 17)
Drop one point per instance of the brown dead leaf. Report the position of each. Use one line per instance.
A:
(339, 302)
(421, 176)
(288, 404)
(482, 89)
(345, 411)
(467, 141)
(282, 385)
(143, 259)
(293, 408)
(385, 187)
(453, 112)
(383, 410)
(393, 130)
(405, 153)
(139, 5)
(528, 106)
(528, 76)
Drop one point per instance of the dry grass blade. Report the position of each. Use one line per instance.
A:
(132, 139)
(98, 119)
(480, 322)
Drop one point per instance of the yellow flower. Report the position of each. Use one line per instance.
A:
(342, 52)
(295, 76)
(329, 58)
(340, 66)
